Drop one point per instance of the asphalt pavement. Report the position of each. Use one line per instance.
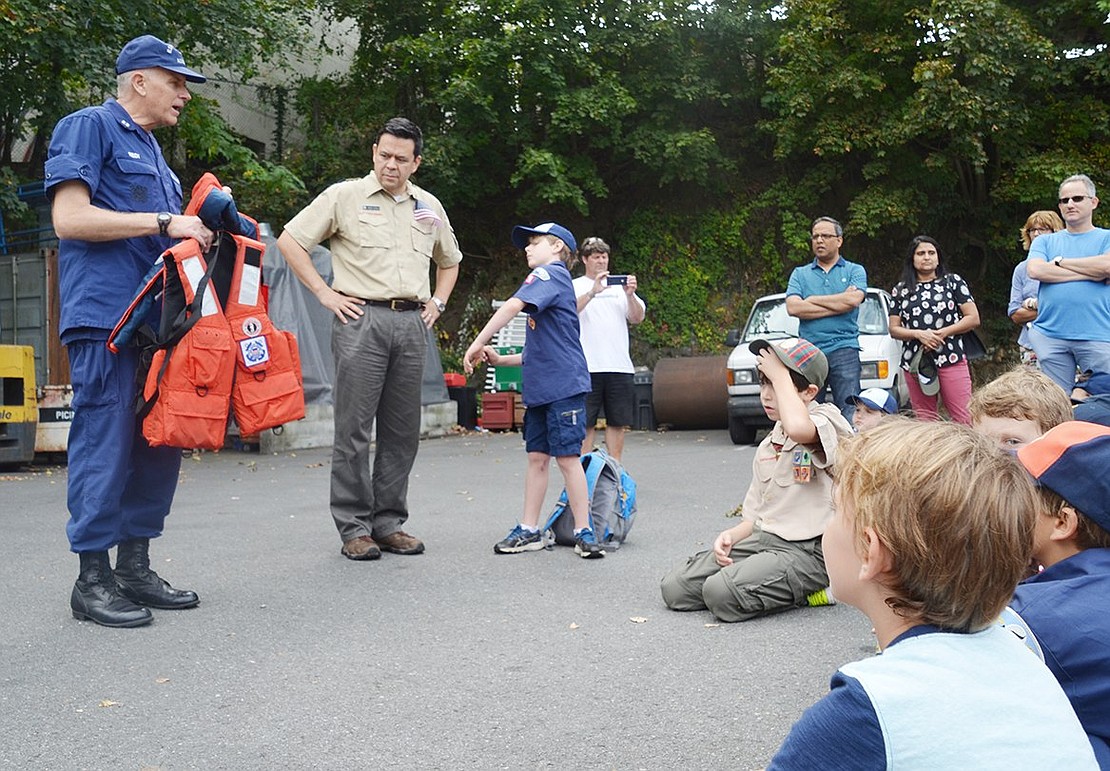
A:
(298, 658)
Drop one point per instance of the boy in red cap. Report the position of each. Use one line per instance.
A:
(1067, 604)
(772, 560)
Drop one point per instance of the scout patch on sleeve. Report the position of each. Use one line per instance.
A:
(803, 466)
(540, 273)
(255, 351)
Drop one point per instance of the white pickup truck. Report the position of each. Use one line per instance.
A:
(880, 357)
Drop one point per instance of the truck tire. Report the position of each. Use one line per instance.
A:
(739, 432)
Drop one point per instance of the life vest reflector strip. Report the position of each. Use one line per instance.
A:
(194, 271)
(249, 285)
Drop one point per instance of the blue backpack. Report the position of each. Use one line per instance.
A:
(612, 503)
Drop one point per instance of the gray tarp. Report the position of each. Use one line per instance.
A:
(293, 307)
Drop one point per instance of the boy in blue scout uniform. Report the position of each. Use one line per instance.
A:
(772, 560)
(115, 205)
(1066, 604)
(554, 383)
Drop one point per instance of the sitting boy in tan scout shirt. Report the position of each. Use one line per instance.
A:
(772, 560)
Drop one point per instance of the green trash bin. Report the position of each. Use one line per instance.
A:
(507, 378)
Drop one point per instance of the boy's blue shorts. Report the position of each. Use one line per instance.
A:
(557, 428)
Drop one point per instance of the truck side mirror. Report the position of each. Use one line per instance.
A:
(732, 339)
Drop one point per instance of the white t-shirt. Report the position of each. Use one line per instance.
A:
(604, 324)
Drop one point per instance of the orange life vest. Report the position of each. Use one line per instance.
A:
(216, 351)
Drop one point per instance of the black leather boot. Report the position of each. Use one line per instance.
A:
(137, 582)
(97, 598)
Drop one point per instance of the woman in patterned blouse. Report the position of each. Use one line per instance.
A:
(931, 309)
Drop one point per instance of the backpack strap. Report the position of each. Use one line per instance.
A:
(592, 464)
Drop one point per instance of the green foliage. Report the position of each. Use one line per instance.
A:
(266, 191)
(702, 139)
(57, 57)
(14, 209)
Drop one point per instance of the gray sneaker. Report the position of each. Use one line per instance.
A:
(587, 547)
(519, 540)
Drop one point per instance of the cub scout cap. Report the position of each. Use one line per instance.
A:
(521, 234)
(798, 355)
(148, 51)
(1071, 460)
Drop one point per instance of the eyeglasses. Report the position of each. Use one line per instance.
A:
(1073, 199)
(1037, 231)
(823, 236)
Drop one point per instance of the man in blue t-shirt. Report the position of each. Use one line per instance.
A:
(115, 205)
(1073, 305)
(825, 295)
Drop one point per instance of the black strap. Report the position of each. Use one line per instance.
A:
(185, 320)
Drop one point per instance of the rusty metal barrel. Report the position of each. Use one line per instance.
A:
(690, 392)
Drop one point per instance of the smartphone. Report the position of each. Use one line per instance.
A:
(616, 280)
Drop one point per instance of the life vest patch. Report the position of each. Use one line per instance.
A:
(255, 351)
(252, 327)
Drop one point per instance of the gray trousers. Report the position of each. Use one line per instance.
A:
(768, 574)
(379, 366)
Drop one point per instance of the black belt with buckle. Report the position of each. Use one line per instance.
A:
(397, 305)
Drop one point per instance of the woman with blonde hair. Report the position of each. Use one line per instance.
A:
(1023, 290)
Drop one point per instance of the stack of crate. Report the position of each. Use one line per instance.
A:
(501, 405)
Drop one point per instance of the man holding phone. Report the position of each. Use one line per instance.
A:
(607, 304)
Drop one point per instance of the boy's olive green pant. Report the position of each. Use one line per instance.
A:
(768, 574)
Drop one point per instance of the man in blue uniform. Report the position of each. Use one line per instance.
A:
(825, 296)
(115, 204)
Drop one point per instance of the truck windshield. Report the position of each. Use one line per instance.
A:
(770, 321)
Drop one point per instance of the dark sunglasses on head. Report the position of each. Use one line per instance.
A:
(1073, 199)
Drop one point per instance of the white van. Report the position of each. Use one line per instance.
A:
(880, 357)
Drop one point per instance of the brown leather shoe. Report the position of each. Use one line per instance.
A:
(401, 543)
(361, 548)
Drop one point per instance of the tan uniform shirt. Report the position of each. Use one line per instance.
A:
(381, 247)
(791, 491)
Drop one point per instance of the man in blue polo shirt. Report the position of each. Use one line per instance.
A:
(825, 296)
(115, 205)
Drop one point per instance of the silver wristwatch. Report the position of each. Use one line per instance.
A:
(440, 305)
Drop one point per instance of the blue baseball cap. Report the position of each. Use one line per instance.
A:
(521, 234)
(877, 399)
(148, 51)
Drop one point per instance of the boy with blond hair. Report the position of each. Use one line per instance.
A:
(554, 383)
(1067, 604)
(771, 561)
(933, 529)
(1017, 407)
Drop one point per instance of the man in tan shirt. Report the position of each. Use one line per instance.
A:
(383, 233)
